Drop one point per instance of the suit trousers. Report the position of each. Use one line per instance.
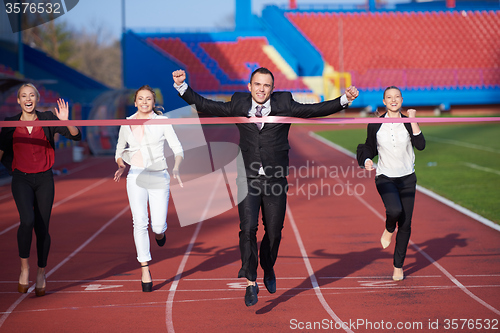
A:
(143, 187)
(269, 195)
(398, 195)
(34, 196)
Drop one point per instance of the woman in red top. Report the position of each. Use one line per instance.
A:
(28, 152)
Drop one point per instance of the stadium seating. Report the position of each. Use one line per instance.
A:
(238, 60)
(412, 49)
(224, 66)
(201, 78)
(6, 70)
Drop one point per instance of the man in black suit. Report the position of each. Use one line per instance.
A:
(265, 157)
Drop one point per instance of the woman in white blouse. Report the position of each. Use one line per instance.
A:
(395, 177)
(142, 147)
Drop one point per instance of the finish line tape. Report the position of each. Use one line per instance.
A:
(240, 120)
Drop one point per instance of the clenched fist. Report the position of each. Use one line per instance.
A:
(179, 76)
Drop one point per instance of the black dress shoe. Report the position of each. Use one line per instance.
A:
(147, 287)
(251, 295)
(162, 241)
(270, 282)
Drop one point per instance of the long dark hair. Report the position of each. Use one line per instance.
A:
(158, 109)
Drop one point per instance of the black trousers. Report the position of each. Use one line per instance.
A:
(34, 196)
(268, 195)
(398, 195)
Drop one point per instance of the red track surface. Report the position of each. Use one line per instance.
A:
(330, 242)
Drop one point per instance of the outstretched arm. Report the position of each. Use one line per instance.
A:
(202, 104)
(351, 93)
(324, 108)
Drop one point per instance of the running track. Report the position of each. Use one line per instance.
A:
(331, 268)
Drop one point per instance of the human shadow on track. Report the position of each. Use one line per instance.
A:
(344, 265)
(217, 259)
(130, 267)
(436, 248)
(349, 263)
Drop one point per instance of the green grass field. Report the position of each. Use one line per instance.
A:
(461, 162)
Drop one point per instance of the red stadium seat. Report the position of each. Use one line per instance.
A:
(202, 79)
(234, 59)
(436, 42)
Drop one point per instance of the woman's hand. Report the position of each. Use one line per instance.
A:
(369, 165)
(119, 173)
(63, 112)
(411, 113)
(176, 175)
(414, 126)
(175, 170)
(121, 169)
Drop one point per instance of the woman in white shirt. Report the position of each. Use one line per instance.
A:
(142, 147)
(395, 177)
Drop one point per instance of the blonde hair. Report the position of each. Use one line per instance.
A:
(158, 109)
(37, 93)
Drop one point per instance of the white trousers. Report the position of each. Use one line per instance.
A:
(145, 186)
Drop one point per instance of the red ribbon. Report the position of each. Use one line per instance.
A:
(239, 120)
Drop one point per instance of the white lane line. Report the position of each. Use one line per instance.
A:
(480, 275)
(169, 320)
(454, 280)
(121, 305)
(362, 288)
(305, 277)
(71, 171)
(9, 228)
(5, 196)
(377, 277)
(459, 208)
(74, 195)
(428, 257)
(481, 168)
(90, 281)
(310, 271)
(197, 299)
(441, 268)
(23, 296)
(433, 195)
(462, 144)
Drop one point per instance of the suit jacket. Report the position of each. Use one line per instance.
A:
(8, 132)
(269, 145)
(369, 148)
